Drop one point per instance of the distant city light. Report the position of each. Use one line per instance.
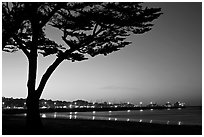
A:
(94, 112)
(140, 103)
(179, 122)
(43, 107)
(141, 110)
(93, 118)
(43, 116)
(80, 104)
(150, 121)
(128, 119)
(140, 120)
(167, 122)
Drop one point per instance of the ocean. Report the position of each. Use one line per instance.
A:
(184, 116)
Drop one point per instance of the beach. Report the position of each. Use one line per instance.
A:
(15, 125)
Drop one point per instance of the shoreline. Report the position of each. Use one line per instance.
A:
(15, 125)
(18, 111)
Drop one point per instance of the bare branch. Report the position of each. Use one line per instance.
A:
(47, 75)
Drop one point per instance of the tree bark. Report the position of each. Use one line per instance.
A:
(33, 119)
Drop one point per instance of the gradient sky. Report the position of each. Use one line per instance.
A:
(162, 65)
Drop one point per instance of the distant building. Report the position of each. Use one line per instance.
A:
(10, 103)
(179, 104)
(168, 104)
(80, 104)
(151, 104)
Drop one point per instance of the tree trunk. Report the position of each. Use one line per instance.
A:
(33, 119)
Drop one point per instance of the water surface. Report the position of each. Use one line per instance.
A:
(185, 116)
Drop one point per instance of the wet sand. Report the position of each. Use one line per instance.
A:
(15, 125)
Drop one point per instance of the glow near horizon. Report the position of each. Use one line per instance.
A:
(164, 64)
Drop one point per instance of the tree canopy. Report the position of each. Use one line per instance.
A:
(89, 28)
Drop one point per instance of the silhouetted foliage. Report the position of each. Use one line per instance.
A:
(88, 29)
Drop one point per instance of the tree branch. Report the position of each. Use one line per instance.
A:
(68, 42)
(22, 47)
(94, 30)
(51, 69)
(47, 75)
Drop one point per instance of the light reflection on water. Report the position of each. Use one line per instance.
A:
(48, 115)
(55, 114)
(168, 117)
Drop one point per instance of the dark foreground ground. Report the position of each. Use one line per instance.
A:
(13, 125)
